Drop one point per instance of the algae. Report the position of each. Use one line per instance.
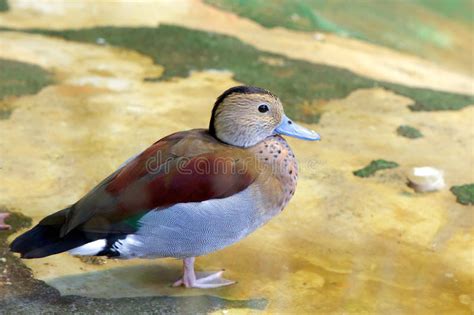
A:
(298, 83)
(4, 6)
(464, 194)
(19, 78)
(409, 132)
(375, 166)
(430, 100)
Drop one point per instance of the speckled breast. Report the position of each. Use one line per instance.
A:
(279, 184)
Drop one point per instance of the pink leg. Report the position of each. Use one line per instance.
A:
(3, 225)
(203, 280)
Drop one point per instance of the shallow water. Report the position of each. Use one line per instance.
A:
(344, 244)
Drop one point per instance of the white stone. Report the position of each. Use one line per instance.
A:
(426, 178)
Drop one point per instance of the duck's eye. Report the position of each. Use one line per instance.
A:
(263, 108)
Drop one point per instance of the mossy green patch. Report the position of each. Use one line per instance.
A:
(464, 194)
(4, 5)
(375, 166)
(409, 132)
(299, 84)
(431, 100)
(19, 78)
(380, 22)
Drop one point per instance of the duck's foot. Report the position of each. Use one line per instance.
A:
(203, 280)
(3, 225)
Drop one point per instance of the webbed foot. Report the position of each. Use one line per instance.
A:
(202, 280)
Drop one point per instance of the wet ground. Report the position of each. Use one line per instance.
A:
(344, 245)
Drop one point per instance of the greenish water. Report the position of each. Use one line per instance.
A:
(403, 25)
(460, 10)
(300, 15)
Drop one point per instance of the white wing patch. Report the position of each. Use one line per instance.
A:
(89, 249)
(123, 246)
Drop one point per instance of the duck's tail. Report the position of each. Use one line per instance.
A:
(45, 240)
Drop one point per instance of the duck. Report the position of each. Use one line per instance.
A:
(187, 195)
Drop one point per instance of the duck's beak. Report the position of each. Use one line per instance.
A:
(289, 128)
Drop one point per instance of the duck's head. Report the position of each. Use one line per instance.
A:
(245, 115)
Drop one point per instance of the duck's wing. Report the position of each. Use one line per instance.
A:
(184, 167)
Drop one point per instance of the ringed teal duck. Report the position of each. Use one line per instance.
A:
(189, 194)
